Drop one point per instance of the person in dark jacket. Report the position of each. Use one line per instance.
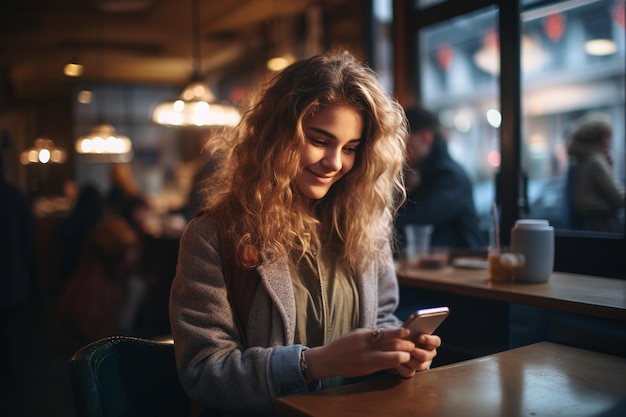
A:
(439, 191)
(17, 263)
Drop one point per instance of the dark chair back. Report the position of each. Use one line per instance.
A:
(126, 376)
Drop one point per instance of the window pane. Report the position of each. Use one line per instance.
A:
(382, 44)
(458, 60)
(563, 80)
(422, 4)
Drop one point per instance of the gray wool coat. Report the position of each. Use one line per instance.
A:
(214, 367)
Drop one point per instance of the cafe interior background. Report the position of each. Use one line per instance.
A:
(507, 78)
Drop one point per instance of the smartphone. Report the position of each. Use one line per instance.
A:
(426, 320)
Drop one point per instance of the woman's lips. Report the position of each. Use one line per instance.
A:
(323, 179)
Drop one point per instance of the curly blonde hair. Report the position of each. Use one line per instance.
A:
(254, 190)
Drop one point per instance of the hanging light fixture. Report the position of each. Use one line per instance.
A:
(281, 35)
(103, 143)
(197, 105)
(43, 152)
(73, 69)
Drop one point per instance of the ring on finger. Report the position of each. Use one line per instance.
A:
(376, 335)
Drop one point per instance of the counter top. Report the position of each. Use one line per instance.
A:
(544, 379)
(595, 296)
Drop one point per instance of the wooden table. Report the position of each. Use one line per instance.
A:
(595, 296)
(543, 379)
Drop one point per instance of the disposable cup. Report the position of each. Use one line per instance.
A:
(497, 270)
(417, 242)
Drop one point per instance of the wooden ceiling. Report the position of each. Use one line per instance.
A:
(135, 41)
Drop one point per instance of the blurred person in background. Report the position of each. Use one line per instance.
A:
(138, 213)
(125, 198)
(86, 212)
(93, 301)
(17, 257)
(122, 186)
(596, 199)
(439, 191)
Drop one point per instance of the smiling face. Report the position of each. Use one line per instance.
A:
(332, 136)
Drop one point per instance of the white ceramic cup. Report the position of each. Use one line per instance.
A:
(532, 241)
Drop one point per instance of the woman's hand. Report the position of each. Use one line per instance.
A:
(421, 357)
(365, 351)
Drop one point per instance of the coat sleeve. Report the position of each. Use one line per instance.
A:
(388, 292)
(214, 368)
(605, 184)
(379, 292)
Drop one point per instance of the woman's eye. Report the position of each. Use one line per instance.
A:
(350, 150)
(317, 142)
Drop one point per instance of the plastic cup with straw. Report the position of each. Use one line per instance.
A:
(496, 270)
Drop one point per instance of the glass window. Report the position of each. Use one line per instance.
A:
(458, 62)
(456, 69)
(382, 13)
(572, 65)
(422, 4)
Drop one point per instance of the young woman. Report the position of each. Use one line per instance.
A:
(302, 206)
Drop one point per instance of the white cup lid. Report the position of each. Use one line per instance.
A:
(531, 224)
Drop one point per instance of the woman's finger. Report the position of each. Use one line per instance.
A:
(390, 340)
(428, 342)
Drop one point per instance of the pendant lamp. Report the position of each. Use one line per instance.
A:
(103, 143)
(44, 152)
(196, 106)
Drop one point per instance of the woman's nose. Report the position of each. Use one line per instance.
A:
(332, 159)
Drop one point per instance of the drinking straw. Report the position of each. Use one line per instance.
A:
(496, 227)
